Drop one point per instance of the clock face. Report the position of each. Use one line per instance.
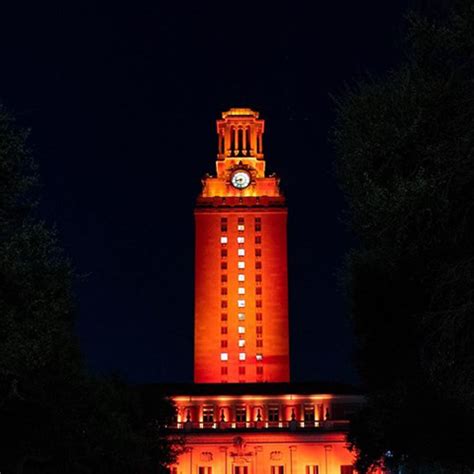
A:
(240, 179)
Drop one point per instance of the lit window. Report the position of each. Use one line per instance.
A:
(241, 330)
(241, 303)
(241, 265)
(241, 316)
(241, 252)
(223, 240)
(224, 356)
(241, 277)
(241, 342)
(240, 240)
(241, 291)
(259, 356)
(242, 356)
(240, 227)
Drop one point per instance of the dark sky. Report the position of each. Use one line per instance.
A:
(122, 102)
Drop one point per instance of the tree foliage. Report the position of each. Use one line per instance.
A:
(54, 417)
(405, 160)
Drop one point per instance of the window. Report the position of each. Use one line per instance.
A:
(223, 220)
(312, 469)
(241, 277)
(241, 370)
(258, 228)
(258, 316)
(259, 370)
(309, 413)
(241, 316)
(223, 304)
(223, 253)
(223, 343)
(241, 265)
(241, 330)
(259, 343)
(240, 239)
(241, 303)
(242, 356)
(258, 290)
(241, 252)
(241, 291)
(224, 278)
(223, 330)
(223, 265)
(240, 220)
(173, 470)
(241, 342)
(258, 252)
(273, 413)
(224, 317)
(224, 239)
(208, 414)
(258, 239)
(259, 356)
(258, 265)
(258, 303)
(348, 469)
(223, 291)
(224, 356)
(258, 277)
(223, 370)
(241, 412)
(240, 227)
(205, 470)
(276, 470)
(241, 470)
(259, 330)
(223, 227)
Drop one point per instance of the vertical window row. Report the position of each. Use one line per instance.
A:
(241, 302)
(224, 356)
(258, 297)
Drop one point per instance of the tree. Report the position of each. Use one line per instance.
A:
(54, 417)
(405, 161)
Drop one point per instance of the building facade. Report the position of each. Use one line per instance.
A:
(242, 415)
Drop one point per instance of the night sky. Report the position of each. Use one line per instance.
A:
(122, 102)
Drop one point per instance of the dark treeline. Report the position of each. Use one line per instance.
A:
(405, 161)
(54, 417)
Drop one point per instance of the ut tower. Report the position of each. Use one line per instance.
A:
(241, 279)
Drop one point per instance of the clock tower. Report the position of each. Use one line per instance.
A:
(241, 287)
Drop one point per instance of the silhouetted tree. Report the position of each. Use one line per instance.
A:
(53, 416)
(405, 159)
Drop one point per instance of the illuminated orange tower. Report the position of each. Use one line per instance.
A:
(241, 282)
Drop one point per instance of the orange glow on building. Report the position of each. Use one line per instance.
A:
(233, 423)
(241, 289)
